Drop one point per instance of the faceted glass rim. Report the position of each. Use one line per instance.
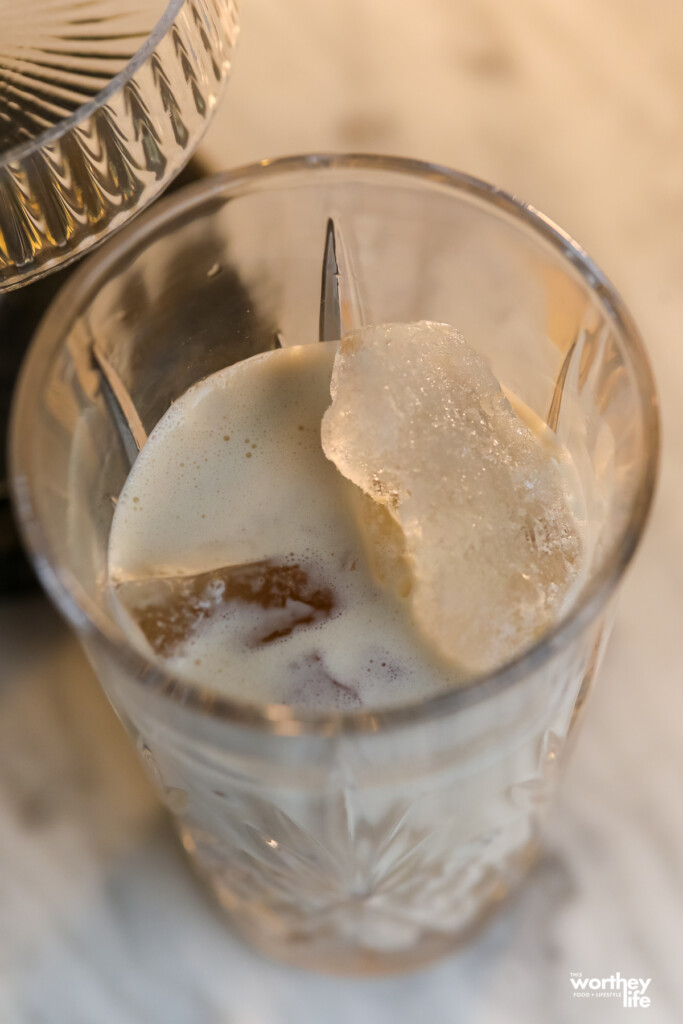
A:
(87, 617)
(23, 149)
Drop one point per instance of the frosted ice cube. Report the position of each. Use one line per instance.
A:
(419, 422)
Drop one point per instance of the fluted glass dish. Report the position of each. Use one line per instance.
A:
(102, 102)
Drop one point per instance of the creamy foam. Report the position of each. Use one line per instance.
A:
(242, 558)
(234, 475)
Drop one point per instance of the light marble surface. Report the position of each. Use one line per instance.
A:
(578, 108)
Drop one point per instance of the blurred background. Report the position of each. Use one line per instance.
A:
(578, 108)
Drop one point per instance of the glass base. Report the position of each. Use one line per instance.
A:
(326, 953)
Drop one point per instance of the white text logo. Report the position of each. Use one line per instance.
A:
(632, 991)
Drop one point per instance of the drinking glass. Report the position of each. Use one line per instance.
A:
(373, 839)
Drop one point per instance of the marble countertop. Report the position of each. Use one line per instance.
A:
(576, 107)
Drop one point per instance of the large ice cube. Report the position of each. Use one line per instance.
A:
(419, 422)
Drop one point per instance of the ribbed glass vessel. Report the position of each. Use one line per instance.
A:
(102, 102)
(373, 839)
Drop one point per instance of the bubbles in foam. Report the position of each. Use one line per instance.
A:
(477, 499)
(174, 565)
